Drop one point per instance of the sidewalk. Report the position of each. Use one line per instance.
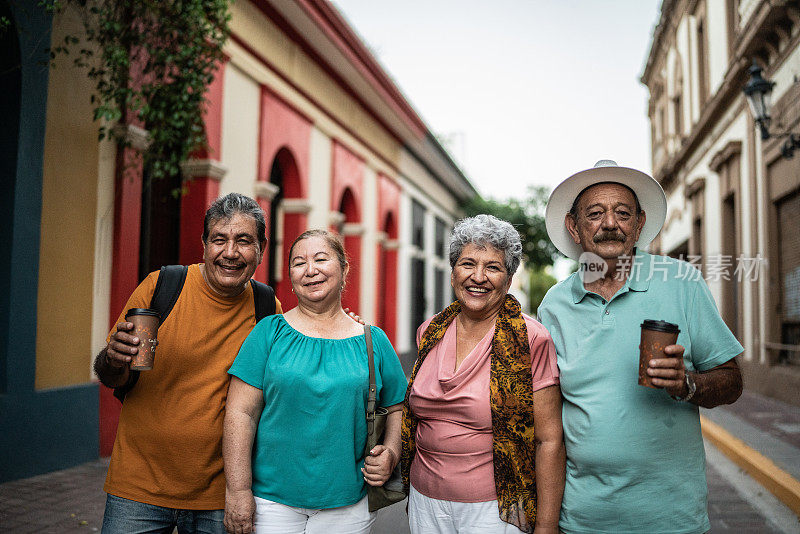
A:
(72, 501)
(762, 436)
(67, 501)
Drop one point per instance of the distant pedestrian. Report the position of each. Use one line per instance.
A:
(482, 442)
(295, 427)
(635, 458)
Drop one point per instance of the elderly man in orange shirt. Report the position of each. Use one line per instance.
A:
(166, 468)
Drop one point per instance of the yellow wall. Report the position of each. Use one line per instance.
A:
(69, 204)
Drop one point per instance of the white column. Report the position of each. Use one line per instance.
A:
(369, 218)
(319, 179)
(404, 275)
(103, 247)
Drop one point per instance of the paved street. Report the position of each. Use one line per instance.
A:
(739, 505)
(72, 500)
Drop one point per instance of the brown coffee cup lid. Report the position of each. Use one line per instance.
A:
(660, 326)
(142, 311)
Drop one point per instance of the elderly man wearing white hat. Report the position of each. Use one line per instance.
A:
(635, 459)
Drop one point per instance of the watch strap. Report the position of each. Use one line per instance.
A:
(690, 386)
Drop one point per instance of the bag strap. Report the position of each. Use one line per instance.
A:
(263, 299)
(168, 289)
(372, 397)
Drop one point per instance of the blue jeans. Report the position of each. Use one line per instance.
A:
(123, 516)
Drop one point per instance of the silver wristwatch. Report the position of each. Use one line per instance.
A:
(690, 386)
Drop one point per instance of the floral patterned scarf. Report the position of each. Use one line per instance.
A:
(511, 402)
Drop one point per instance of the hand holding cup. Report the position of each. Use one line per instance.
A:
(145, 328)
(669, 372)
(122, 346)
(660, 359)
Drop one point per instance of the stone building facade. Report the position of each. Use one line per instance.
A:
(733, 199)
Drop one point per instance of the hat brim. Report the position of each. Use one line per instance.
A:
(649, 193)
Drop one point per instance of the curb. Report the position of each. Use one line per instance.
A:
(777, 481)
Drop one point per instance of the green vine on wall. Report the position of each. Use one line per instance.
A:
(156, 60)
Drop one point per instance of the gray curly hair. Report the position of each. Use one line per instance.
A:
(483, 230)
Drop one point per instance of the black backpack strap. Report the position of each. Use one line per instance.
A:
(168, 289)
(263, 298)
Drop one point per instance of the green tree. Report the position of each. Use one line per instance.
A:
(538, 284)
(151, 62)
(527, 216)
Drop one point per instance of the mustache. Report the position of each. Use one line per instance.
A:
(608, 236)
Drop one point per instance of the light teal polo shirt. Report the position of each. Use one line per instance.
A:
(635, 458)
(309, 447)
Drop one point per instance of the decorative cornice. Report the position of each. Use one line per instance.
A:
(295, 205)
(336, 218)
(265, 190)
(753, 41)
(659, 34)
(724, 154)
(133, 135)
(715, 108)
(333, 25)
(206, 168)
(352, 229)
(694, 188)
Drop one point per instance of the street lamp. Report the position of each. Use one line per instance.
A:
(758, 92)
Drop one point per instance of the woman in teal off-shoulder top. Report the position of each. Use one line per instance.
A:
(295, 429)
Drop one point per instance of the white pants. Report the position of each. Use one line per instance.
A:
(275, 518)
(433, 516)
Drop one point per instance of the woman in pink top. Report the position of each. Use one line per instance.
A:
(483, 450)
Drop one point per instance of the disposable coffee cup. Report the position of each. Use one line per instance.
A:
(656, 335)
(145, 327)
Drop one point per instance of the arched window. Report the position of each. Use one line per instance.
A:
(283, 225)
(352, 244)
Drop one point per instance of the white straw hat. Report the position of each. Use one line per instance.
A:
(649, 193)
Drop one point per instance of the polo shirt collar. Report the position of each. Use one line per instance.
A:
(639, 279)
(578, 291)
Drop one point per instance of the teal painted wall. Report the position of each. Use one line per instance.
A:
(41, 430)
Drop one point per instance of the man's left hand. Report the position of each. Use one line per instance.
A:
(669, 373)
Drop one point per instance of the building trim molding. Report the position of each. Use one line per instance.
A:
(724, 154)
(695, 187)
(134, 136)
(206, 168)
(353, 229)
(295, 205)
(336, 218)
(265, 190)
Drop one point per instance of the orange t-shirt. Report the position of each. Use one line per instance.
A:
(168, 450)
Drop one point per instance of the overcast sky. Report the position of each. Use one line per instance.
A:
(527, 91)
